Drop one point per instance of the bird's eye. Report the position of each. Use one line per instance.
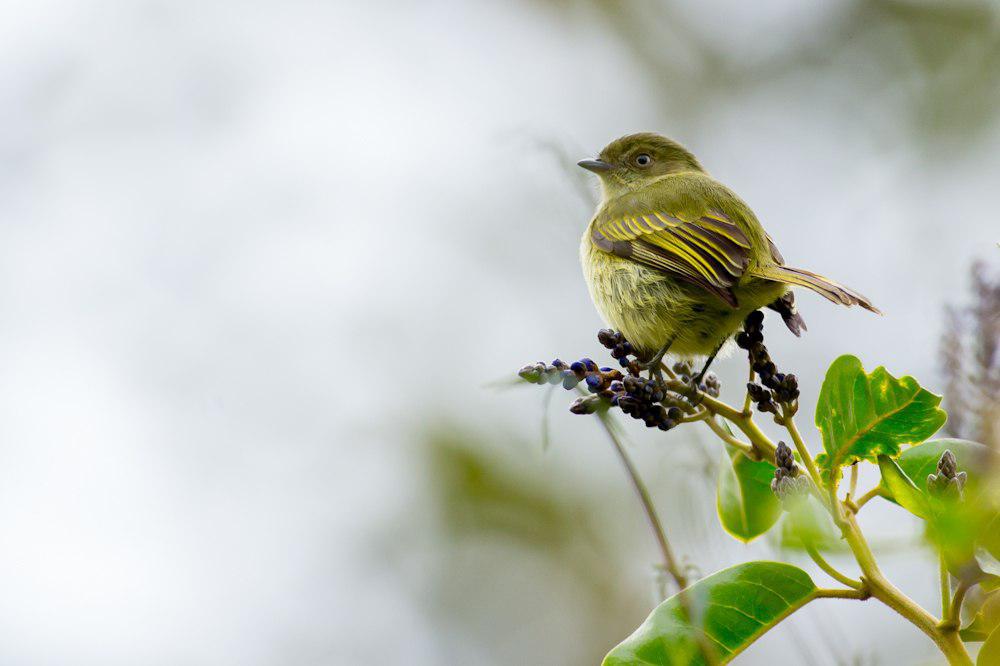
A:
(643, 160)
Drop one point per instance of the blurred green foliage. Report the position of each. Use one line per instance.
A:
(485, 499)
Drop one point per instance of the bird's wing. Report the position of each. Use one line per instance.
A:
(710, 251)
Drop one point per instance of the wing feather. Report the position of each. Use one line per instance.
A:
(711, 252)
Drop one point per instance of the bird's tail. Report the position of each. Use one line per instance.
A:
(829, 289)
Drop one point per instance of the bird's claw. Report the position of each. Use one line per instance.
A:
(693, 392)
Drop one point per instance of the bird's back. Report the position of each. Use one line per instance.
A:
(651, 307)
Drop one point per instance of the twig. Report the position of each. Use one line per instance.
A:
(824, 593)
(669, 561)
(828, 568)
(697, 416)
(954, 617)
(800, 446)
(874, 492)
(746, 448)
(945, 587)
(746, 399)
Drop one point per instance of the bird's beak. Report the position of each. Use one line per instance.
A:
(597, 166)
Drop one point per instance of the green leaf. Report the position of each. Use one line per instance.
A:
(986, 619)
(747, 507)
(955, 528)
(808, 522)
(901, 488)
(730, 610)
(862, 416)
(989, 655)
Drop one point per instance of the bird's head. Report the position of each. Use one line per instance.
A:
(636, 159)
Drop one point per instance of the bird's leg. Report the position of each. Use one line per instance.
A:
(653, 365)
(711, 357)
(696, 380)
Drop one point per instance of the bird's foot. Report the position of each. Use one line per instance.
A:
(654, 367)
(693, 392)
(655, 364)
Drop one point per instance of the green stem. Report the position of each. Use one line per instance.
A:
(874, 492)
(763, 446)
(873, 580)
(697, 416)
(747, 449)
(824, 593)
(883, 590)
(746, 399)
(828, 568)
(953, 618)
(669, 561)
(945, 579)
(800, 446)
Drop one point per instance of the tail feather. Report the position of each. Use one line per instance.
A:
(785, 306)
(829, 289)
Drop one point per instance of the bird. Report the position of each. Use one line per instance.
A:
(675, 260)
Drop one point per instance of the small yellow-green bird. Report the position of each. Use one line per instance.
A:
(674, 260)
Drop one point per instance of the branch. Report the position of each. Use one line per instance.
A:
(945, 587)
(954, 617)
(789, 422)
(877, 491)
(669, 561)
(824, 593)
(828, 568)
(747, 449)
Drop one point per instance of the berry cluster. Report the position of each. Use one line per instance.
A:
(788, 485)
(644, 399)
(621, 349)
(569, 375)
(948, 482)
(775, 387)
(709, 385)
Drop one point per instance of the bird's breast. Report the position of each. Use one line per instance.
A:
(651, 308)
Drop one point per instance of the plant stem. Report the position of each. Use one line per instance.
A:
(828, 568)
(874, 492)
(697, 416)
(873, 580)
(853, 488)
(945, 578)
(954, 616)
(747, 449)
(883, 590)
(763, 446)
(669, 561)
(824, 593)
(746, 400)
(800, 446)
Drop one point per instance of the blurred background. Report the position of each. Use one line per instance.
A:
(262, 265)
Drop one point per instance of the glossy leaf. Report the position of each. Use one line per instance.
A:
(989, 655)
(747, 507)
(902, 489)
(809, 522)
(985, 620)
(955, 529)
(862, 416)
(729, 610)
